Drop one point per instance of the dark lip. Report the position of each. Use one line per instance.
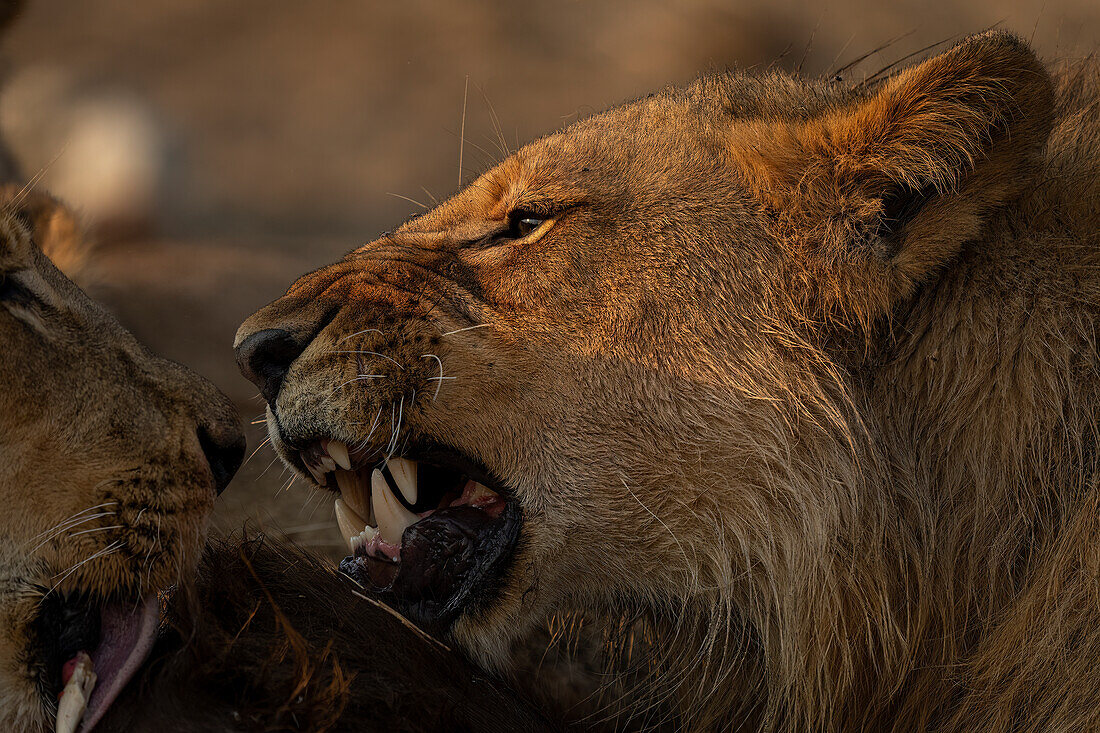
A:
(478, 587)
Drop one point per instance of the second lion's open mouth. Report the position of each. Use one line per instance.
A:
(430, 536)
(89, 652)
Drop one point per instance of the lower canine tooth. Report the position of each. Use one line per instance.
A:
(351, 524)
(391, 515)
(74, 698)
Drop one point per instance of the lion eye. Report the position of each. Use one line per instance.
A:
(521, 223)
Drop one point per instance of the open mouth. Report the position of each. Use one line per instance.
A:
(430, 536)
(89, 652)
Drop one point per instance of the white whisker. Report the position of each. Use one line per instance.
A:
(359, 333)
(668, 529)
(148, 564)
(273, 461)
(372, 353)
(113, 547)
(410, 200)
(396, 429)
(258, 449)
(439, 383)
(462, 131)
(360, 378)
(71, 517)
(67, 527)
(96, 529)
(468, 328)
(373, 425)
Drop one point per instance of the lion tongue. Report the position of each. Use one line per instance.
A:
(126, 636)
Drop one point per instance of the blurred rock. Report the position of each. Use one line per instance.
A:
(98, 147)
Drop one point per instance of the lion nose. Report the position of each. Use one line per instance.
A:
(264, 358)
(224, 451)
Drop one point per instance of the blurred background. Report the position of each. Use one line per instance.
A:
(220, 148)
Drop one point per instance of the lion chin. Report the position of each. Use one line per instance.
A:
(788, 387)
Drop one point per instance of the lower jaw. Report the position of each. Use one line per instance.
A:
(451, 563)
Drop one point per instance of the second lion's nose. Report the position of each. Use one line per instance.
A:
(264, 358)
(224, 452)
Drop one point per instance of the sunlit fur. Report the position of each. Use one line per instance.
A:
(801, 375)
(104, 488)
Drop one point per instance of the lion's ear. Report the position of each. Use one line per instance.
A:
(54, 227)
(898, 179)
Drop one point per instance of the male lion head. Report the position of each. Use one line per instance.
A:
(112, 458)
(628, 368)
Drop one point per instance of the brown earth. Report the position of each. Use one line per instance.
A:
(296, 131)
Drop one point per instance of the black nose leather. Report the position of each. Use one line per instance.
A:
(264, 358)
(224, 454)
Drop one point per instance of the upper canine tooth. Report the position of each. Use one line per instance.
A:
(404, 475)
(392, 516)
(351, 524)
(339, 453)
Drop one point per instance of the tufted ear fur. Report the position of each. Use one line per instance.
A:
(54, 228)
(875, 194)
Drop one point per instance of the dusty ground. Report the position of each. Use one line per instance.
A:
(267, 138)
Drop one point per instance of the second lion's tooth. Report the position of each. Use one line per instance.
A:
(391, 515)
(339, 453)
(404, 475)
(349, 521)
(74, 698)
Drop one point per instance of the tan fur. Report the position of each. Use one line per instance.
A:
(803, 376)
(98, 450)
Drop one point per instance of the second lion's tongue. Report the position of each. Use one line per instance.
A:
(126, 636)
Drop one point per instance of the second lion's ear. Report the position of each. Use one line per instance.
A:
(54, 227)
(884, 188)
